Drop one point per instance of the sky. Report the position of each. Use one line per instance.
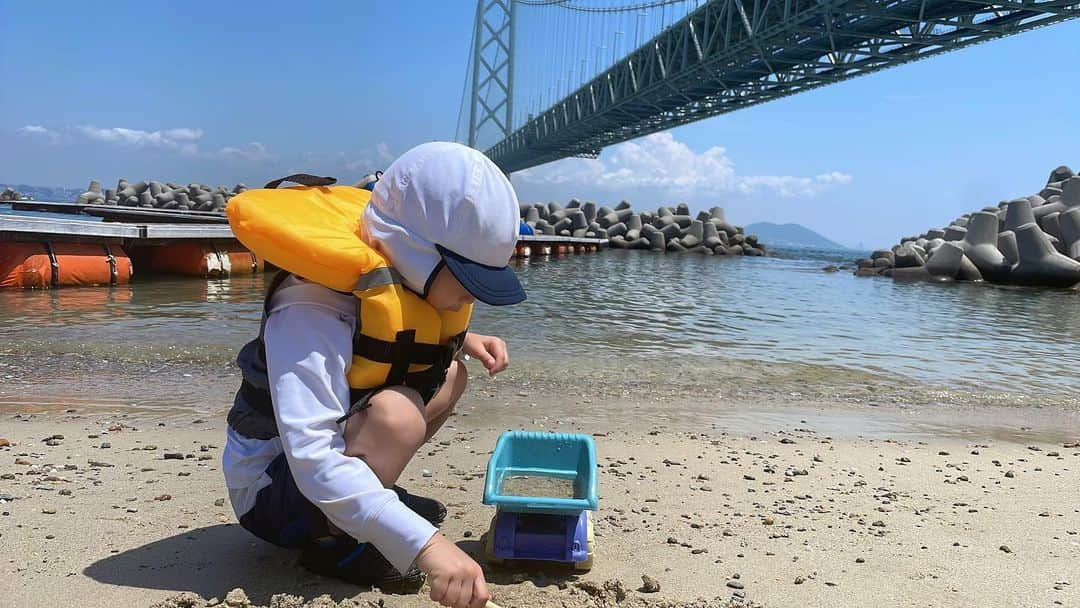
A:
(226, 92)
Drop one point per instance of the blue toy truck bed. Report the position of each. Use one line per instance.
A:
(559, 455)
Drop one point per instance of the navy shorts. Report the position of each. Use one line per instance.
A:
(281, 514)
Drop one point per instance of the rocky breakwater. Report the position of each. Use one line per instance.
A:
(167, 196)
(665, 229)
(1032, 241)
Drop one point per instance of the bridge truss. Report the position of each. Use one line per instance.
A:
(730, 54)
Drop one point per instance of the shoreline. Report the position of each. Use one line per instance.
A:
(892, 486)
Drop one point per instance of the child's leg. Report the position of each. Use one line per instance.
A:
(389, 432)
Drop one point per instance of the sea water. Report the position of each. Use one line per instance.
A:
(609, 325)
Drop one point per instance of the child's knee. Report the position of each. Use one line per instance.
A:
(395, 415)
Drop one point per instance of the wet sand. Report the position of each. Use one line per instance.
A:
(792, 504)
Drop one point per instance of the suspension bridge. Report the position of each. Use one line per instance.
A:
(551, 79)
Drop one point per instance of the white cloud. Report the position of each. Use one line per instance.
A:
(182, 139)
(183, 134)
(358, 165)
(790, 186)
(39, 131)
(34, 130)
(253, 152)
(382, 152)
(660, 161)
(368, 160)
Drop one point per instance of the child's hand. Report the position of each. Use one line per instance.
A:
(456, 580)
(489, 350)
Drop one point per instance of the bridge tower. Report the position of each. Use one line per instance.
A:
(491, 102)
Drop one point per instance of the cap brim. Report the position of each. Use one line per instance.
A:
(489, 284)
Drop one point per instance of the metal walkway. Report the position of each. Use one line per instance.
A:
(21, 227)
(730, 54)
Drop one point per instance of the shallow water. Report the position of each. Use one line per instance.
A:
(618, 323)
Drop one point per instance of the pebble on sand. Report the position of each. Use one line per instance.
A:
(4, 442)
(649, 584)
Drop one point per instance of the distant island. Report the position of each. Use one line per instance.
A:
(790, 235)
(44, 193)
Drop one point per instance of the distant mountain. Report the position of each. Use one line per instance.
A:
(45, 193)
(790, 235)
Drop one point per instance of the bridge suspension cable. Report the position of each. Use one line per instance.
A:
(558, 46)
(575, 76)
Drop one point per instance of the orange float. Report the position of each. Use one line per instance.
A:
(201, 259)
(36, 265)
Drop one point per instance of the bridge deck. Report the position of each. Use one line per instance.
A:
(730, 54)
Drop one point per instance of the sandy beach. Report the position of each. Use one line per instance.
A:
(800, 505)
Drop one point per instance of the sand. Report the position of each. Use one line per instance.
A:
(784, 506)
(537, 486)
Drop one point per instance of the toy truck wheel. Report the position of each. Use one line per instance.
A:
(590, 540)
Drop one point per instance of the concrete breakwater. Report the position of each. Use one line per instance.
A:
(161, 195)
(1034, 240)
(665, 229)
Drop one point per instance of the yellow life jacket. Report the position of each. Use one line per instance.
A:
(313, 232)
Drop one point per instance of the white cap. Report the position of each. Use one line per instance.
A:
(445, 203)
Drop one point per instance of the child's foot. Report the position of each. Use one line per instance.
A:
(428, 508)
(358, 563)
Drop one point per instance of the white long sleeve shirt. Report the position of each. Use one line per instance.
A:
(308, 339)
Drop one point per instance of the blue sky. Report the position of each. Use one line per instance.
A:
(221, 92)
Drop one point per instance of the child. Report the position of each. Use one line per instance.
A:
(351, 374)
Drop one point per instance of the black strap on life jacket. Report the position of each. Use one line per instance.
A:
(304, 179)
(405, 344)
(400, 354)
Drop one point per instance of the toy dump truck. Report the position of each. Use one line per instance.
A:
(543, 487)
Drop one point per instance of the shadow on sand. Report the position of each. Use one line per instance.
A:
(214, 560)
(211, 562)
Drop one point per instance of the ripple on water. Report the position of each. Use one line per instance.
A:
(620, 320)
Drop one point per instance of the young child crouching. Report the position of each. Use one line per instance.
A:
(358, 361)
